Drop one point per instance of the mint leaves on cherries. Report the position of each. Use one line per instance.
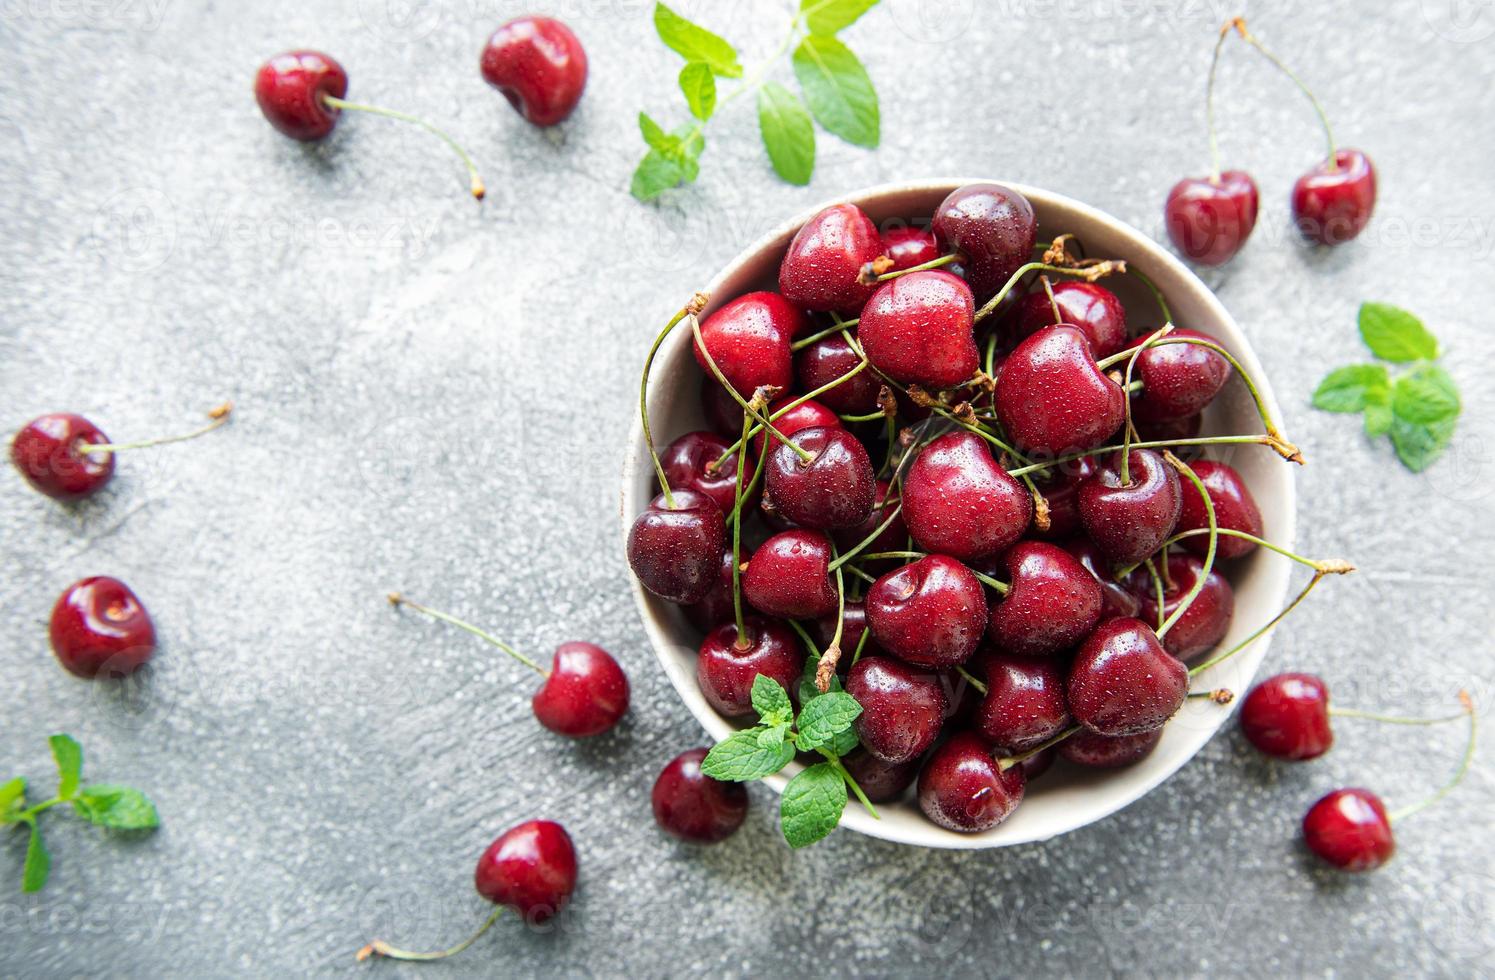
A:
(835, 90)
(105, 804)
(1418, 407)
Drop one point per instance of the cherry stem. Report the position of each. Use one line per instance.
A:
(478, 190)
(1209, 555)
(1196, 671)
(1001, 587)
(1263, 440)
(1458, 775)
(1157, 294)
(870, 416)
(1334, 566)
(921, 267)
(826, 668)
(1006, 762)
(1088, 273)
(876, 555)
(697, 304)
(395, 599)
(805, 638)
(851, 783)
(1128, 430)
(970, 679)
(861, 643)
(1053, 303)
(736, 515)
(695, 328)
(1157, 586)
(219, 415)
(1391, 719)
(860, 574)
(380, 948)
(791, 406)
(819, 335)
(742, 637)
(1209, 106)
(1239, 24)
(851, 553)
(1220, 695)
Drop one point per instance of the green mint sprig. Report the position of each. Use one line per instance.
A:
(834, 85)
(104, 804)
(1418, 408)
(815, 798)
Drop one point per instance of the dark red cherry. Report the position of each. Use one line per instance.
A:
(853, 625)
(722, 412)
(1332, 205)
(676, 551)
(1051, 397)
(918, 329)
(585, 694)
(1123, 682)
(826, 360)
(749, 340)
(930, 613)
(1129, 521)
(725, 670)
(957, 501)
(692, 806)
(99, 628)
(1092, 308)
(961, 787)
(902, 708)
(1235, 509)
(530, 868)
(1052, 602)
(908, 246)
(881, 782)
(1178, 380)
(1037, 764)
(893, 538)
(831, 492)
(806, 415)
(539, 66)
(993, 228)
(1349, 829)
(1208, 219)
(46, 452)
(716, 607)
(1287, 717)
(686, 462)
(1061, 490)
(790, 576)
(1086, 748)
(822, 269)
(290, 88)
(1116, 600)
(1204, 624)
(1024, 704)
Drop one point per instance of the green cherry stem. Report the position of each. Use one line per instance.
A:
(834, 328)
(1127, 429)
(695, 328)
(478, 190)
(860, 574)
(826, 668)
(1334, 566)
(697, 304)
(1089, 273)
(1459, 773)
(878, 555)
(921, 267)
(1261, 440)
(1209, 554)
(1391, 719)
(1157, 586)
(851, 783)
(970, 679)
(395, 599)
(861, 645)
(1239, 23)
(736, 515)
(1048, 288)
(851, 553)
(219, 415)
(1006, 762)
(1209, 106)
(1201, 668)
(1157, 294)
(791, 406)
(381, 948)
(742, 642)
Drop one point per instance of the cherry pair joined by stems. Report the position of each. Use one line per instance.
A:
(1288, 716)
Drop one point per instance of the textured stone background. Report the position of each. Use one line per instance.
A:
(433, 396)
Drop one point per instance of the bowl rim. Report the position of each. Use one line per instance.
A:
(1243, 665)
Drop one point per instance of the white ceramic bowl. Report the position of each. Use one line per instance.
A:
(1067, 796)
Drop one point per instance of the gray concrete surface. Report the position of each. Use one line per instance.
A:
(433, 397)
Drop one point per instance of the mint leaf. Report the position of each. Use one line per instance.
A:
(699, 87)
(843, 742)
(38, 862)
(788, 134)
(812, 805)
(654, 175)
(116, 807)
(69, 756)
(807, 690)
(12, 799)
(830, 16)
(824, 717)
(771, 701)
(1418, 444)
(837, 89)
(1378, 412)
(772, 736)
(1393, 334)
(739, 758)
(695, 43)
(656, 137)
(1425, 394)
(1347, 389)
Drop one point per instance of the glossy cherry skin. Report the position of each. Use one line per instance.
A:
(1086, 748)
(585, 694)
(530, 868)
(993, 228)
(1349, 829)
(834, 491)
(46, 453)
(290, 88)
(1235, 509)
(692, 806)
(539, 66)
(902, 708)
(686, 462)
(881, 782)
(822, 269)
(726, 671)
(1052, 399)
(1287, 717)
(1178, 380)
(749, 340)
(716, 606)
(1052, 601)
(1131, 521)
(1116, 599)
(961, 787)
(930, 613)
(1204, 624)
(1333, 206)
(1061, 491)
(919, 329)
(1092, 308)
(1209, 220)
(893, 537)
(790, 576)
(826, 360)
(1024, 704)
(908, 246)
(957, 501)
(99, 628)
(806, 415)
(676, 552)
(1123, 682)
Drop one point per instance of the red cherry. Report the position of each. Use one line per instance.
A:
(790, 576)
(1331, 205)
(1287, 717)
(930, 613)
(806, 415)
(826, 360)
(1052, 602)
(99, 628)
(686, 462)
(1052, 399)
(1349, 829)
(1204, 624)
(957, 501)
(831, 491)
(530, 868)
(1038, 763)
(749, 340)
(725, 670)
(1024, 704)
(1178, 380)
(992, 227)
(1210, 219)
(1116, 600)
(1235, 509)
(47, 453)
(902, 708)
(585, 694)
(722, 412)
(1087, 748)
(676, 551)
(291, 87)
(1123, 682)
(1129, 520)
(881, 782)
(918, 329)
(694, 807)
(962, 788)
(822, 269)
(907, 246)
(539, 66)
(1093, 309)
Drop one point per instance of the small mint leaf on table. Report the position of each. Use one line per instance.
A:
(739, 758)
(837, 89)
(824, 717)
(788, 134)
(812, 805)
(38, 862)
(831, 16)
(1424, 395)
(116, 807)
(655, 174)
(698, 85)
(1378, 412)
(655, 136)
(1419, 443)
(1348, 389)
(69, 757)
(1393, 334)
(12, 799)
(694, 43)
(771, 701)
